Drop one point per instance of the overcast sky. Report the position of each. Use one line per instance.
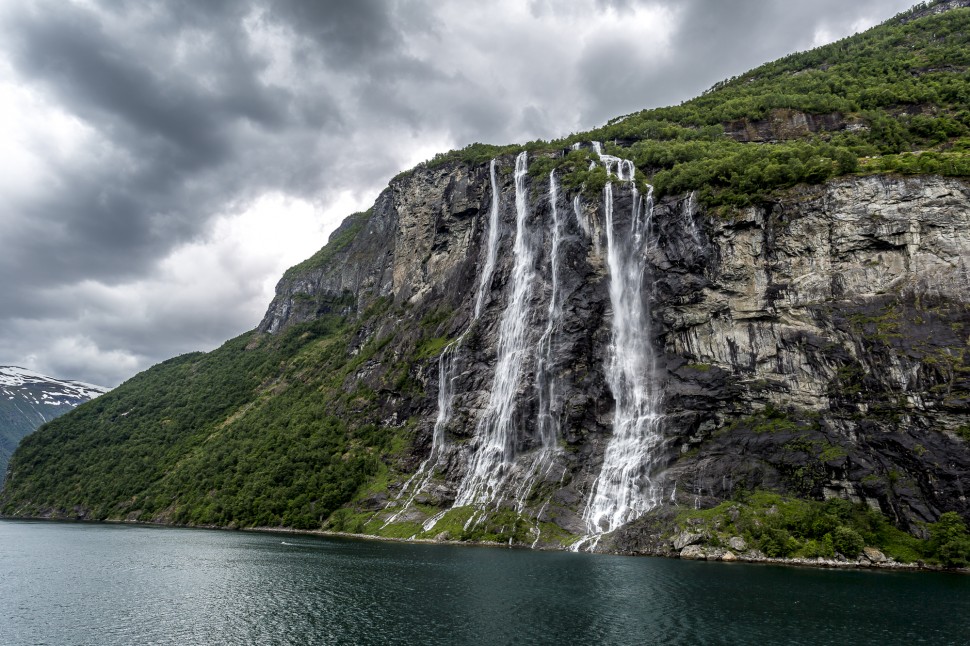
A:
(162, 163)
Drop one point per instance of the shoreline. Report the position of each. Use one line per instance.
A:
(817, 563)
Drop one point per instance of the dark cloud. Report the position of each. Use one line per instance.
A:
(713, 41)
(346, 35)
(158, 120)
(131, 208)
(127, 90)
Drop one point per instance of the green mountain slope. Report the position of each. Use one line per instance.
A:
(317, 421)
(255, 432)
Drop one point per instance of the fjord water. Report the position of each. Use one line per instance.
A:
(63, 583)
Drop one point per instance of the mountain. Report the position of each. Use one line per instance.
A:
(29, 400)
(739, 324)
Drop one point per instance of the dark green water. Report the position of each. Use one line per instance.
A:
(63, 583)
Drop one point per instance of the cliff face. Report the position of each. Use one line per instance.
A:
(847, 306)
(784, 124)
(814, 346)
(406, 246)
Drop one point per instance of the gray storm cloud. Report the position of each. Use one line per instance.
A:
(147, 127)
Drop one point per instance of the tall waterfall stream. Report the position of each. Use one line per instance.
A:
(495, 435)
(502, 464)
(624, 489)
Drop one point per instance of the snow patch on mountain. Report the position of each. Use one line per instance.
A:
(29, 399)
(38, 388)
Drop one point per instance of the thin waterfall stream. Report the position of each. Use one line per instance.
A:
(624, 490)
(446, 371)
(547, 378)
(546, 383)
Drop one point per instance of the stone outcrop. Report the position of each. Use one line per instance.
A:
(935, 8)
(782, 124)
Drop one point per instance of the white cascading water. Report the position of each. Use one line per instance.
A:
(548, 421)
(446, 371)
(690, 208)
(580, 216)
(623, 490)
(495, 436)
(485, 281)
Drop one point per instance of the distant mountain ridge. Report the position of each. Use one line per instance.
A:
(29, 399)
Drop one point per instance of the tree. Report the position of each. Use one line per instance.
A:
(949, 540)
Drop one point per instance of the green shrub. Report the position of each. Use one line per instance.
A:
(823, 548)
(847, 541)
(781, 526)
(776, 542)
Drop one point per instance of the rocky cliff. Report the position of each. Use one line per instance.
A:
(814, 345)
(818, 345)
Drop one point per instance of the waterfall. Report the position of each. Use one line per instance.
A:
(580, 217)
(485, 282)
(623, 490)
(446, 370)
(690, 209)
(495, 435)
(548, 421)
(497, 470)
(586, 225)
(446, 374)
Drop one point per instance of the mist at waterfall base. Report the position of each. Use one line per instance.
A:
(67, 584)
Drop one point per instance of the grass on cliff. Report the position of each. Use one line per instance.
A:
(339, 239)
(780, 526)
(501, 526)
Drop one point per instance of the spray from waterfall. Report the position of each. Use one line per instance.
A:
(623, 491)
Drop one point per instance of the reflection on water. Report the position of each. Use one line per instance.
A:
(63, 583)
